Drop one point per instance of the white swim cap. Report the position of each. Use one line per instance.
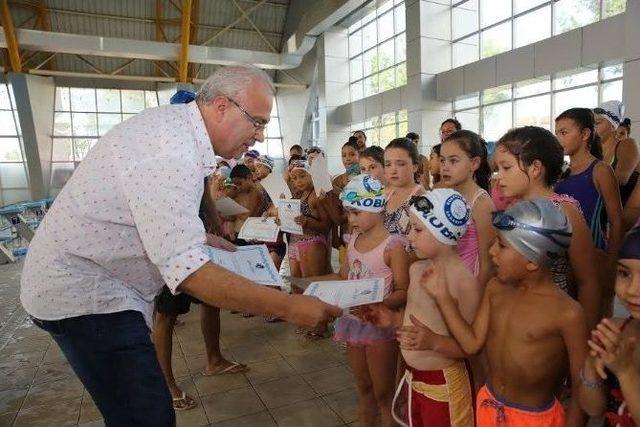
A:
(445, 212)
(364, 193)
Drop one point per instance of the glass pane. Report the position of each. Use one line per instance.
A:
(107, 121)
(15, 196)
(274, 147)
(522, 5)
(355, 43)
(62, 150)
(570, 14)
(400, 18)
(84, 124)
(13, 175)
(465, 51)
(466, 101)
(532, 27)
(371, 85)
(385, 54)
(62, 124)
(5, 103)
(108, 100)
(586, 97)
(612, 91)
(534, 111)
(613, 7)
(127, 116)
(373, 135)
(401, 48)
(496, 40)
(402, 116)
(496, 94)
(469, 119)
(356, 91)
(355, 26)
(82, 100)
(62, 99)
(10, 150)
(273, 128)
(387, 133)
(81, 147)
(16, 120)
(370, 61)
(492, 11)
(401, 74)
(150, 98)
(385, 26)
(132, 101)
(60, 174)
(464, 19)
(369, 36)
(496, 120)
(532, 87)
(384, 6)
(369, 17)
(7, 125)
(387, 79)
(575, 78)
(355, 68)
(612, 71)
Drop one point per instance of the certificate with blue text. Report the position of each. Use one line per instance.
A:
(348, 293)
(251, 262)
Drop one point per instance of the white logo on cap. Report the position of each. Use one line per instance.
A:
(455, 208)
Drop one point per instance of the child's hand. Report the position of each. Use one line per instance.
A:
(301, 220)
(416, 337)
(376, 314)
(613, 351)
(434, 282)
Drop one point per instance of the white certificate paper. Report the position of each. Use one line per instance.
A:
(276, 187)
(288, 210)
(261, 229)
(320, 177)
(252, 262)
(226, 206)
(348, 293)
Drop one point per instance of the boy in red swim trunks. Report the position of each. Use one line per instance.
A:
(528, 326)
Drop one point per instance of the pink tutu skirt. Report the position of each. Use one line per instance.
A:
(353, 331)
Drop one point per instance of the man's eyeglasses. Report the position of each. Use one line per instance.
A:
(257, 124)
(504, 221)
(421, 203)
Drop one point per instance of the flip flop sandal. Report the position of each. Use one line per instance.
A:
(184, 402)
(233, 368)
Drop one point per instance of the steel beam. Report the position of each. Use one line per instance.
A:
(11, 41)
(185, 32)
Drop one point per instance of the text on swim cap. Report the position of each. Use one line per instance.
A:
(438, 225)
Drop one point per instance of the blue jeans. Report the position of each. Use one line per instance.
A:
(113, 356)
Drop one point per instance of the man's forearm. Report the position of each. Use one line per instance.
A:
(219, 287)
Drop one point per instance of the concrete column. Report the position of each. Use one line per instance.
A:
(35, 102)
(631, 79)
(428, 53)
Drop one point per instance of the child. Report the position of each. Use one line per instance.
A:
(247, 194)
(308, 253)
(400, 166)
(249, 159)
(350, 156)
(434, 167)
(372, 162)
(372, 253)
(610, 383)
(529, 161)
(296, 150)
(464, 167)
(437, 377)
(592, 183)
(263, 166)
(529, 327)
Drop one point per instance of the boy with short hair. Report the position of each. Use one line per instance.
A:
(247, 194)
(296, 150)
(528, 326)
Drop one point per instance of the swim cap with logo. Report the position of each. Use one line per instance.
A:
(445, 213)
(363, 193)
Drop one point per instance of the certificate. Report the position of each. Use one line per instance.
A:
(226, 206)
(261, 229)
(276, 187)
(288, 210)
(320, 177)
(348, 293)
(251, 262)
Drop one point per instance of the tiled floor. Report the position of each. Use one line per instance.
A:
(292, 382)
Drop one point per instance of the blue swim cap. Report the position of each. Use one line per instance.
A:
(630, 248)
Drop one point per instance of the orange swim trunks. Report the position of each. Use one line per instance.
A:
(494, 411)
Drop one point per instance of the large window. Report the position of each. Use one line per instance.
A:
(14, 183)
(537, 102)
(378, 50)
(380, 130)
(483, 28)
(81, 116)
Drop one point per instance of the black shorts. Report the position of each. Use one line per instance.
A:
(167, 303)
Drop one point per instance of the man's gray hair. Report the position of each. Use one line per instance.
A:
(232, 81)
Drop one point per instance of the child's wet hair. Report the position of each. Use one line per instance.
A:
(374, 153)
(531, 143)
(584, 119)
(353, 143)
(407, 145)
(240, 171)
(472, 144)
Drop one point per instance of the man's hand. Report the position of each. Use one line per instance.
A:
(309, 312)
(220, 243)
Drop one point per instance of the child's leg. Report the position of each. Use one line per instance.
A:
(381, 361)
(277, 260)
(313, 260)
(367, 407)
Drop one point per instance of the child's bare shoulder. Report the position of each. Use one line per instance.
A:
(418, 267)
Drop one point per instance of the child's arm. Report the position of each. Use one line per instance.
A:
(320, 225)
(607, 186)
(628, 157)
(470, 337)
(420, 337)
(398, 260)
(593, 399)
(582, 254)
(486, 235)
(573, 325)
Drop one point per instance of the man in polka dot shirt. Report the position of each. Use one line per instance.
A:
(126, 223)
